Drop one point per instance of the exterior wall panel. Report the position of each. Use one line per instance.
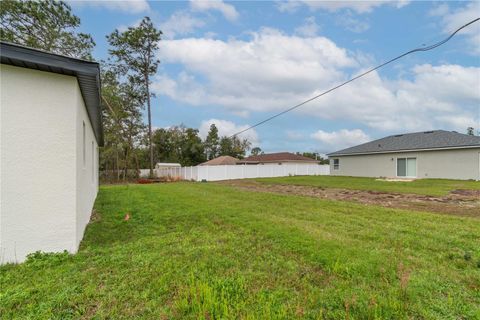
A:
(86, 167)
(442, 164)
(39, 164)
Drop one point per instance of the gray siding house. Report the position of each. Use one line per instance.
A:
(429, 154)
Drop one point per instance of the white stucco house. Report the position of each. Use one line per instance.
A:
(428, 154)
(51, 129)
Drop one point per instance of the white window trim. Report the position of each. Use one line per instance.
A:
(406, 169)
(338, 165)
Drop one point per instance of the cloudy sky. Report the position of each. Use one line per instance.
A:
(236, 63)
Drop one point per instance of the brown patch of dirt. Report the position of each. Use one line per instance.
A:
(457, 202)
(463, 192)
(95, 216)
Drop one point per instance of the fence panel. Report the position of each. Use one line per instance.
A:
(229, 172)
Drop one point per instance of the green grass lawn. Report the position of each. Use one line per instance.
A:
(207, 251)
(434, 187)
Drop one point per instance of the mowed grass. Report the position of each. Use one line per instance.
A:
(207, 251)
(433, 187)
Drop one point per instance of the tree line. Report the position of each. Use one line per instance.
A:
(126, 74)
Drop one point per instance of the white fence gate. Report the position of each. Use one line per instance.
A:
(229, 172)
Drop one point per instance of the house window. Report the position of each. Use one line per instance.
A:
(84, 146)
(407, 167)
(336, 164)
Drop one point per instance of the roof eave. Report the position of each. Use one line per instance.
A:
(334, 154)
(86, 72)
(275, 161)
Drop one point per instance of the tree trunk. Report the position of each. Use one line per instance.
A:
(149, 126)
(116, 165)
(125, 174)
(137, 165)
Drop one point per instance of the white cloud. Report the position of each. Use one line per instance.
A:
(228, 10)
(352, 24)
(180, 23)
(241, 74)
(309, 28)
(294, 135)
(453, 19)
(337, 140)
(348, 12)
(210, 35)
(129, 6)
(273, 71)
(124, 27)
(228, 128)
(437, 97)
(333, 6)
(439, 10)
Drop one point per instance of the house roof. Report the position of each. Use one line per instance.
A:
(220, 161)
(277, 157)
(438, 139)
(87, 73)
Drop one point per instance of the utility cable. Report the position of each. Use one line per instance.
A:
(431, 47)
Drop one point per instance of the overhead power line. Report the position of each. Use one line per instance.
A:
(431, 47)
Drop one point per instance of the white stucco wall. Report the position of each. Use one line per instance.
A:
(40, 206)
(461, 164)
(86, 173)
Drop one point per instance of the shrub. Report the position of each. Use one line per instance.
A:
(144, 181)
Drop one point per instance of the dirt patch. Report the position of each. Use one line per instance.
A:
(458, 202)
(95, 216)
(467, 193)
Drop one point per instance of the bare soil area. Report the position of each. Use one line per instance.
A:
(457, 202)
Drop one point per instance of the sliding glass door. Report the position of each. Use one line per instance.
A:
(407, 167)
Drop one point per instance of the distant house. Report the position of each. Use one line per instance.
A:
(50, 132)
(220, 161)
(279, 158)
(429, 154)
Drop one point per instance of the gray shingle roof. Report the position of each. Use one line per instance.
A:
(87, 73)
(438, 139)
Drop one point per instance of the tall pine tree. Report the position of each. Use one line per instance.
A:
(47, 25)
(212, 142)
(135, 51)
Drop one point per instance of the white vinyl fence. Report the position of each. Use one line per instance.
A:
(229, 172)
(144, 173)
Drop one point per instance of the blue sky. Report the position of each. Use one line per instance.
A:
(236, 63)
